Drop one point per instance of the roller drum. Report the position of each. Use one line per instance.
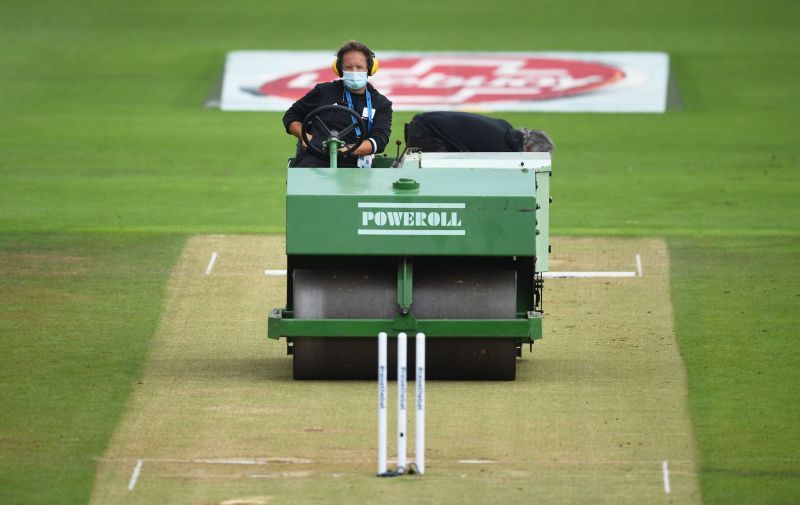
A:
(345, 294)
(437, 294)
(465, 294)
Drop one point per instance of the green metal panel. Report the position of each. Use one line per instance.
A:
(405, 285)
(542, 220)
(383, 161)
(353, 211)
(526, 330)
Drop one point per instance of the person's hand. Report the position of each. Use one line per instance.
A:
(364, 149)
(296, 128)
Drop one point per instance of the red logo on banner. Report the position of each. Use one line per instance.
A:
(462, 81)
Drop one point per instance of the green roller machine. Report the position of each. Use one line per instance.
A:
(449, 244)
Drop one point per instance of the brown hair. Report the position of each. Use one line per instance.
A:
(354, 45)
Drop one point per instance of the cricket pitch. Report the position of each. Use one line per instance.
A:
(598, 413)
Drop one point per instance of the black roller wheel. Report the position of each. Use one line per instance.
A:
(372, 294)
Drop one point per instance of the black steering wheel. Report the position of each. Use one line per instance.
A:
(333, 134)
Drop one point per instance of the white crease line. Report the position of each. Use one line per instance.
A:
(665, 472)
(278, 475)
(585, 275)
(135, 475)
(251, 461)
(228, 461)
(477, 461)
(639, 265)
(211, 262)
(546, 275)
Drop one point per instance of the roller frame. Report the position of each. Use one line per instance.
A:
(471, 210)
(475, 337)
(281, 324)
(526, 327)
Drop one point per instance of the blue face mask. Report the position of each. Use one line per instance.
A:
(355, 80)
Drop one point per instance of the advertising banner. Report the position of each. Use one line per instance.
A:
(468, 81)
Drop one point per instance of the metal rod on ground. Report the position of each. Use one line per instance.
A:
(402, 399)
(382, 380)
(419, 428)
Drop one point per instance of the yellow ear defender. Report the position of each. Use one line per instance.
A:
(372, 64)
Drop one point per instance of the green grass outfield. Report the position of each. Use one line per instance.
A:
(108, 161)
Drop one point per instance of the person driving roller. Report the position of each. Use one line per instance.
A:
(354, 63)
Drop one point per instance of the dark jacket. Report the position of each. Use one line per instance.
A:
(461, 132)
(332, 93)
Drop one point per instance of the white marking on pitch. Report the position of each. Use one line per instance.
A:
(275, 272)
(251, 461)
(546, 275)
(232, 461)
(395, 205)
(211, 262)
(278, 475)
(665, 473)
(135, 475)
(477, 461)
(459, 233)
(585, 275)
